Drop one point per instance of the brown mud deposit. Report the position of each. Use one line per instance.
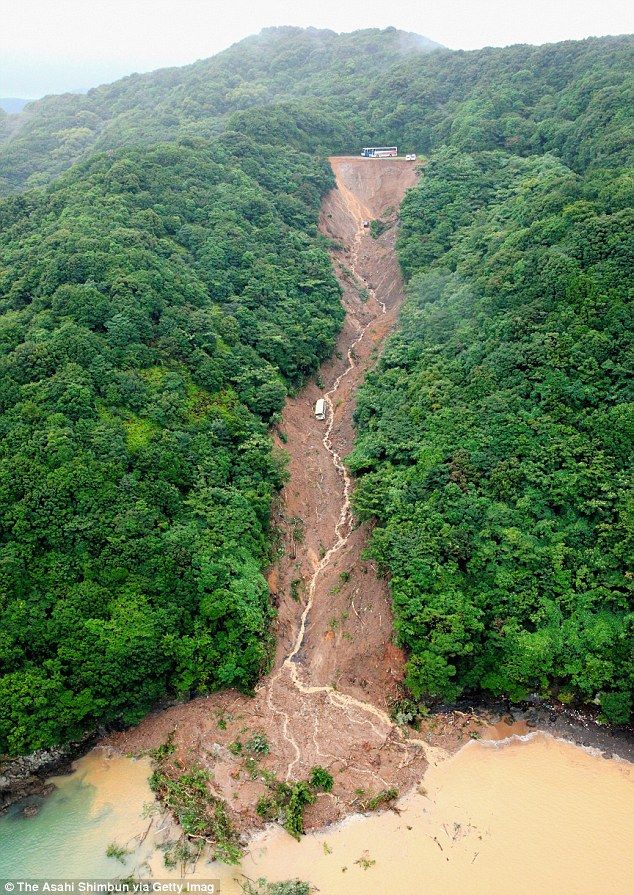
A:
(526, 816)
(336, 668)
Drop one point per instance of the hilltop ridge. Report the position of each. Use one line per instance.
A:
(278, 64)
(331, 93)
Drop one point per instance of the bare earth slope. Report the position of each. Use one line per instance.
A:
(348, 630)
(336, 669)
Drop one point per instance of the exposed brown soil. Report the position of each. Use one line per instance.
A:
(348, 635)
(336, 668)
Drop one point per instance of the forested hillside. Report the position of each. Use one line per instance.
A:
(278, 65)
(156, 306)
(160, 297)
(334, 93)
(495, 436)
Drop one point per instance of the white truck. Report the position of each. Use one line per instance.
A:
(320, 409)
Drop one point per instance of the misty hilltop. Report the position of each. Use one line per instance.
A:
(330, 93)
(281, 63)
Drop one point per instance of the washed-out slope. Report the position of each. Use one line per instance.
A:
(324, 702)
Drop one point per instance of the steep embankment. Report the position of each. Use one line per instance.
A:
(324, 701)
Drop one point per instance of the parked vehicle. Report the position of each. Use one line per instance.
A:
(380, 152)
(320, 409)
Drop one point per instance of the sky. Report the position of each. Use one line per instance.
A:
(52, 46)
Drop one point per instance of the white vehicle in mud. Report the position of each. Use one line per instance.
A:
(411, 157)
(320, 409)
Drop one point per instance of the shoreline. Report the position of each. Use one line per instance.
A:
(578, 726)
(28, 776)
(259, 835)
(464, 806)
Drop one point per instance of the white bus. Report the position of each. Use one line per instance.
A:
(320, 409)
(379, 152)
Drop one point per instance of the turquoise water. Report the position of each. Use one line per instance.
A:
(30, 846)
(105, 800)
(75, 824)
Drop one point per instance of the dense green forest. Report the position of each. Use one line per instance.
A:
(163, 287)
(321, 68)
(333, 93)
(495, 435)
(156, 307)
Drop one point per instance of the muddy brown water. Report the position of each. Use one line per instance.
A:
(535, 816)
(526, 814)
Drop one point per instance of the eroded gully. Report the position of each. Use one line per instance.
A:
(360, 214)
(326, 700)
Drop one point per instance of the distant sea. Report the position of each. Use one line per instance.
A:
(11, 104)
